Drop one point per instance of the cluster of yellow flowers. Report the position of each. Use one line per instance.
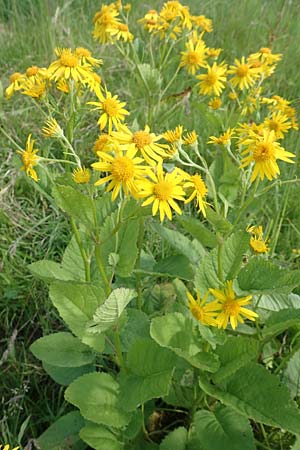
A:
(257, 242)
(225, 308)
(173, 19)
(70, 67)
(107, 25)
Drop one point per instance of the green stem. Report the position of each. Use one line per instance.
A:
(248, 202)
(119, 349)
(220, 254)
(138, 275)
(265, 436)
(101, 269)
(86, 260)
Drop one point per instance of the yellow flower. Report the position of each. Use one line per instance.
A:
(190, 138)
(52, 129)
(34, 88)
(264, 152)
(213, 81)
(35, 73)
(215, 103)
(202, 311)
(85, 57)
(144, 141)
(68, 66)
(203, 22)
(29, 158)
(124, 171)
(279, 123)
(121, 31)
(244, 74)
(150, 20)
(213, 52)
(199, 191)
(104, 20)
(257, 242)
(113, 112)
(173, 136)
(16, 80)
(94, 83)
(81, 175)
(103, 143)
(194, 57)
(162, 192)
(223, 139)
(7, 447)
(231, 308)
(62, 85)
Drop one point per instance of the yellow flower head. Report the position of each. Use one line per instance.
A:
(121, 32)
(231, 308)
(52, 129)
(213, 52)
(85, 57)
(124, 170)
(113, 112)
(7, 447)
(213, 82)
(68, 66)
(279, 123)
(34, 88)
(81, 175)
(190, 138)
(16, 81)
(162, 192)
(203, 22)
(244, 75)
(194, 57)
(150, 20)
(203, 311)
(104, 143)
(29, 158)
(257, 242)
(215, 103)
(196, 184)
(223, 139)
(105, 20)
(145, 142)
(264, 151)
(35, 73)
(173, 136)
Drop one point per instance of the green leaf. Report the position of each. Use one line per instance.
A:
(99, 437)
(177, 332)
(276, 302)
(280, 321)
(220, 224)
(180, 243)
(174, 266)
(63, 433)
(108, 313)
(137, 326)
(66, 375)
(75, 204)
(76, 304)
(223, 429)
(127, 248)
(263, 277)
(49, 270)
(232, 253)
(96, 396)
(62, 350)
(150, 369)
(296, 445)
(234, 354)
(175, 440)
(291, 375)
(253, 392)
(198, 231)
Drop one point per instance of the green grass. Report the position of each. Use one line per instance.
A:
(31, 229)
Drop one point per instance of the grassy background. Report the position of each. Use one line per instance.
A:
(31, 229)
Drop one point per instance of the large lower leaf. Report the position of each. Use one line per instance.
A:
(223, 429)
(62, 350)
(177, 332)
(96, 396)
(198, 231)
(276, 302)
(280, 321)
(291, 375)
(66, 375)
(263, 277)
(76, 304)
(150, 369)
(108, 313)
(253, 392)
(100, 438)
(234, 354)
(64, 433)
(175, 440)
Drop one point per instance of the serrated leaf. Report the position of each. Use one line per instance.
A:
(146, 379)
(63, 350)
(198, 231)
(253, 392)
(223, 429)
(264, 277)
(127, 248)
(291, 375)
(66, 375)
(47, 270)
(234, 354)
(175, 440)
(280, 321)
(99, 437)
(108, 313)
(62, 433)
(177, 332)
(276, 302)
(76, 304)
(233, 251)
(96, 396)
